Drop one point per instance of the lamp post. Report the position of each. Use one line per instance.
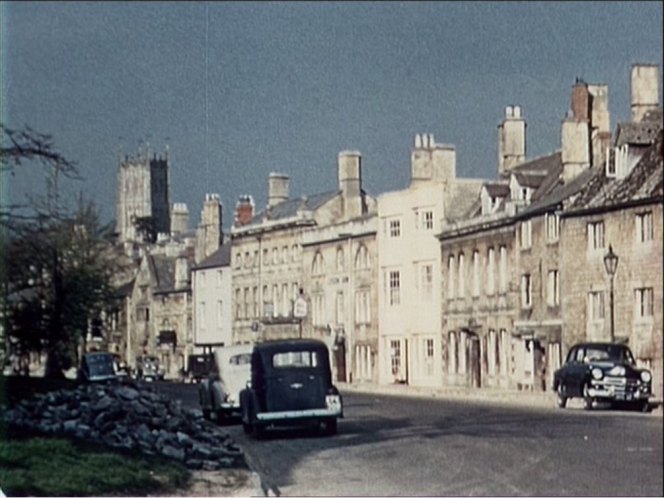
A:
(611, 265)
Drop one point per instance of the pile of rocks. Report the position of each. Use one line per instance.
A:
(133, 417)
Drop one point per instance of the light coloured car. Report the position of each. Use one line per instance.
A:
(219, 392)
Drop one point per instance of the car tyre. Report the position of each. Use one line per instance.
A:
(561, 399)
(259, 431)
(207, 415)
(330, 427)
(587, 399)
(644, 406)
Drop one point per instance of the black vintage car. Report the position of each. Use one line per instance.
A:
(97, 367)
(290, 384)
(598, 371)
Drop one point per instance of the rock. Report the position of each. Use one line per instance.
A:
(128, 393)
(173, 452)
(133, 417)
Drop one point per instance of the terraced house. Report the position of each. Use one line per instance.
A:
(273, 256)
(537, 242)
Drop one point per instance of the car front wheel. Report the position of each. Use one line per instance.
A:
(330, 427)
(587, 399)
(561, 399)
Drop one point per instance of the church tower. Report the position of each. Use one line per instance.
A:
(142, 193)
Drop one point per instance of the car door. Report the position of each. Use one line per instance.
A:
(576, 374)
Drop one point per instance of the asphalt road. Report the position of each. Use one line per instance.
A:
(403, 446)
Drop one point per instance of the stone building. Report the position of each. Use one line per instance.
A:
(273, 256)
(525, 236)
(501, 305)
(409, 263)
(143, 192)
(158, 318)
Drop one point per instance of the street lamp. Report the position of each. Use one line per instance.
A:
(611, 265)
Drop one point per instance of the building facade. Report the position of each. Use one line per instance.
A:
(212, 300)
(409, 264)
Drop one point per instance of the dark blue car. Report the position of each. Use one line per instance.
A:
(291, 384)
(600, 371)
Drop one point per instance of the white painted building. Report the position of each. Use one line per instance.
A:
(409, 274)
(211, 295)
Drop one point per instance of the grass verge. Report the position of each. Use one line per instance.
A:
(38, 465)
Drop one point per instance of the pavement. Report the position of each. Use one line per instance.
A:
(248, 483)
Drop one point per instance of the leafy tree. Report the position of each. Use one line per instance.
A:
(145, 228)
(58, 263)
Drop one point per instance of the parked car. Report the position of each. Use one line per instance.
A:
(291, 383)
(97, 367)
(219, 392)
(121, 367)
(602, 371)
(199, 366)
(148, 368)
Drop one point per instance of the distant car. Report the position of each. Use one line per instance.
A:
(148, 368)
(291, 384)
(121, 367)
(199, 366)
(97, 367)
(602, 371)
(219, 392)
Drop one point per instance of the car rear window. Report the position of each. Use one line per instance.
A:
(296, 359)
(240, 359)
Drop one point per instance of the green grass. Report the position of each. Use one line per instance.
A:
(58, 467)
(37, 465)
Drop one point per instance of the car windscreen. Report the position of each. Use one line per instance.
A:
(609, 353)
(240, 359)
(100, 365)
(296, 359)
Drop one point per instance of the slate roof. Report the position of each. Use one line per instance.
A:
(541, 165)
(221, 257)
(497, 189)
(125, 290)
(463, 201)
(290, 208)
(642, 133)
(163, 268)
(645, 182)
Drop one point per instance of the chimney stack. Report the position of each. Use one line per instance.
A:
(277, 189)
(350, 182)
(645, 90)
(511, 139)
(244, 210)
(179, 218)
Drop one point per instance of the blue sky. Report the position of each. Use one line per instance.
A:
(238, 90)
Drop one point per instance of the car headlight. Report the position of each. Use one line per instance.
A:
(597, 373)
(646, 376)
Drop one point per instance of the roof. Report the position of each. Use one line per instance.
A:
(126, 289)
(641, 133)
(539, 165)
(644, 183)
(290, 208)
(221, 257)
(164, 272)
(497, 189)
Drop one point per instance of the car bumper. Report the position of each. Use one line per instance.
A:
(619, 391)
(300, 414)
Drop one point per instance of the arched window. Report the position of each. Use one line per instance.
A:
(362, 258)
(318, 264)
(340, 259)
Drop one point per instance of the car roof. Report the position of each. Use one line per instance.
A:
(278, 346)
(600, 344)
(223, 354)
